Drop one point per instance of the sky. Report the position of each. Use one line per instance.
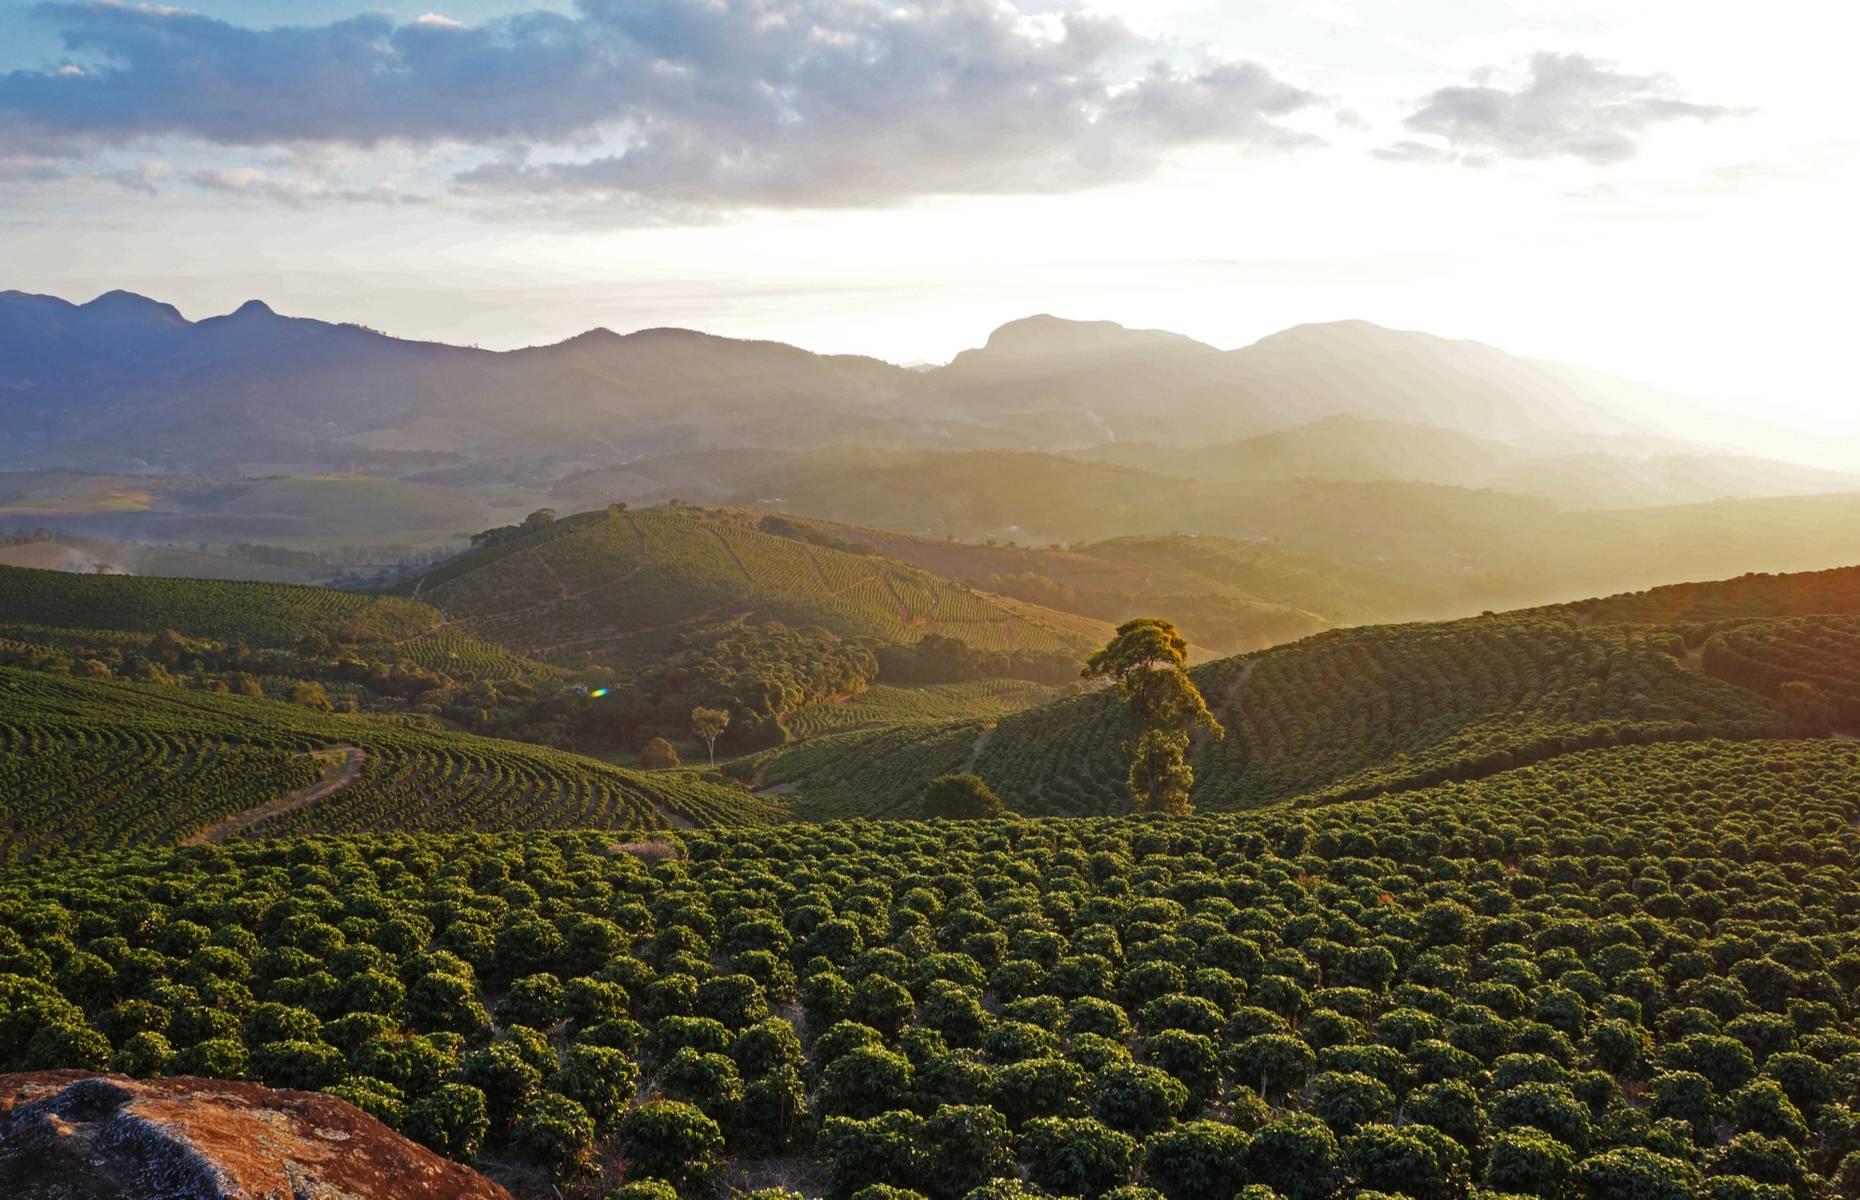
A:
(1662, 189)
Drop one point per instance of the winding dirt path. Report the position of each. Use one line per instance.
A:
(344, 766)
(749, 579)
(561, 586)
(975, 752)
(1198, 737)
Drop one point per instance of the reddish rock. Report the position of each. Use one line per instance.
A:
(72, 1135)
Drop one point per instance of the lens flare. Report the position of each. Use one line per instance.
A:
(597, 693)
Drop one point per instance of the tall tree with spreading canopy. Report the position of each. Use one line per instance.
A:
(1148, 658)
(709, 724)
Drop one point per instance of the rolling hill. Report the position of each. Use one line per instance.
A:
(264, 614)
(1437, 551)
(1361, 712)
(616, 584)
(1038, 499)
(1228, 594)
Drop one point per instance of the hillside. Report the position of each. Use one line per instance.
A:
(1344, 714)
(261, 613)
(1039, 498)
(1357, 712)
(614, 585)
(94, 765)
(1228, 594)
(1436, 551)
(1758, 594)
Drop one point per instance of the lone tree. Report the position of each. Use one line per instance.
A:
(709, 724)
(1148, 658)
(961, 798)
(658, 755)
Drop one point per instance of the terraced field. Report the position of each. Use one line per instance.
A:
(88, 765)
(985, 700)
(1768, 656)
(598, 583)
(457, 653)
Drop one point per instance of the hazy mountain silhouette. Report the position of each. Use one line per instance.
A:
(124, 381)
(1353, 448)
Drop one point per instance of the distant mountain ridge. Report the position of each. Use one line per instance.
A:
(124, 382)
(1363, 449)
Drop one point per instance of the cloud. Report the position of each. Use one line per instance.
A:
(142, 177)
(1410, 151)
(254, 184)
(1570, 107)
(673, 103)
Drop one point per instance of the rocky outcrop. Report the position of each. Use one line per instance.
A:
(72, 1135)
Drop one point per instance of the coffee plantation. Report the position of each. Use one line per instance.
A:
(1626, 972)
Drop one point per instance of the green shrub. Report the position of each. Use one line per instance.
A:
(866, 1081)
(658, 1189)
(1200, 1158)
(1076, 1156)
(506, 1079)
(673, 1141)
(1414, 1160)
(554, 1133)
(214, 1058)
(960, 798)
(1529, 1162)
(1297, 1156)
(299, 1064)
(143, 1055)
(599, 1079)
(1630, 1173)
(885, 1149)
(378, 1098)
(1038, 1087)
(1346, 1101)
(1138, 1099)
(965, 1146)
(451, 1121)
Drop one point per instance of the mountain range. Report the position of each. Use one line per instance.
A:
(126, 383)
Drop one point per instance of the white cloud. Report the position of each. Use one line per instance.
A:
(693, 105)
(1569, 106)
